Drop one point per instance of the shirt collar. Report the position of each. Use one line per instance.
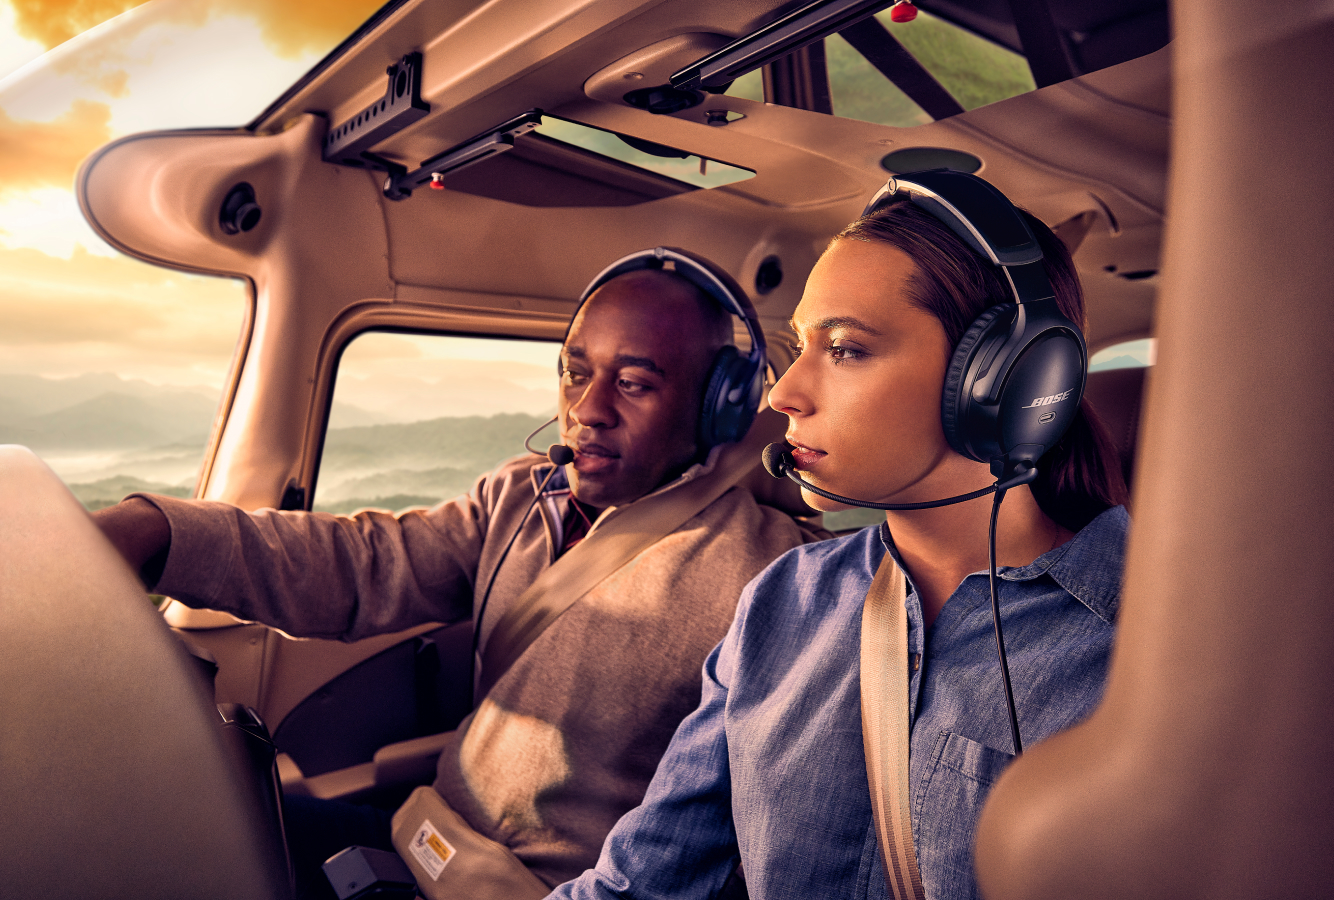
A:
(559, 483)
(1088, 566)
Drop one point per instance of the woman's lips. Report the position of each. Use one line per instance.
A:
(805, 457)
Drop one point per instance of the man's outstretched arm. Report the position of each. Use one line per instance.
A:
(141, 533)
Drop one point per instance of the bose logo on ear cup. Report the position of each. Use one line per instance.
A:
(1048, 401)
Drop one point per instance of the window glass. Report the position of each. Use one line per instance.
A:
(859, 91)
(852, 519)
(417, 418)
(748, 87)
(974, 70)
(703, 173)
(1128, 355)
(111, 369)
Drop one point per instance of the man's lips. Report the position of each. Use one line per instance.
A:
(589, 458)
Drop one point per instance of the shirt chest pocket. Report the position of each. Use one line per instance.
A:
(945, 811)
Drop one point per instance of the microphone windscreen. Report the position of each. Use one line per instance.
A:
(560, 454)
(776, 460)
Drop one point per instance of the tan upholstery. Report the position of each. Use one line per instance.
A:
(1117, 395)
(1207, 770)
(117, 778)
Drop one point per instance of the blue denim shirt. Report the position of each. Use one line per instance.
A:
(770, 769)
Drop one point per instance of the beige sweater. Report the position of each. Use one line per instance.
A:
(566, 741)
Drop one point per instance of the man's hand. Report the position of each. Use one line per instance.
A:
(141, 533)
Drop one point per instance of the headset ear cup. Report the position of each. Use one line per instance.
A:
(721, 420)
(954, 400)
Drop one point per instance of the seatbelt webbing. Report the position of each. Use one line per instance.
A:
(884, 690)
(613, 543)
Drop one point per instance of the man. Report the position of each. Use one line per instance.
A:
(567, 738)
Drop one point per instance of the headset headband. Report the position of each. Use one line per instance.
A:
(699, 272)
(982, 217)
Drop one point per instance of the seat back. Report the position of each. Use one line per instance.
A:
(1117, 395)
(117, 777)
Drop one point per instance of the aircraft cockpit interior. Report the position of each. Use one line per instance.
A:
(400, 229)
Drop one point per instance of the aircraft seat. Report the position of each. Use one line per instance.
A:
(119, 779)
(1117, 395)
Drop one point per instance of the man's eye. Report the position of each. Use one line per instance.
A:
(632, 387)
(572, 377)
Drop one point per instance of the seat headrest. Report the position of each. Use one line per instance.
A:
(1117, 395)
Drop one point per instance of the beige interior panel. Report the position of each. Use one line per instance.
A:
(117, 780)
(1206, 770)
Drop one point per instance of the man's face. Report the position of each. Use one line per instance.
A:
(633, 369)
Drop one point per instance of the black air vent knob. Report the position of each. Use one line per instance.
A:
(239, 210)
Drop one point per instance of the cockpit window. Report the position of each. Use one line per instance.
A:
(113, 369)
(416, 418)
(973, 70)
(662, 160)
(1126, 355)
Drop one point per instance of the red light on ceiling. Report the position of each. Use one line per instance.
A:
(903, 11)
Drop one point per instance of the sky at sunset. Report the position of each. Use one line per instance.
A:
(79, 73)
(75, 74)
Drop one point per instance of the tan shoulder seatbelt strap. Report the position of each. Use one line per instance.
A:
(884, 677)
(614, 543)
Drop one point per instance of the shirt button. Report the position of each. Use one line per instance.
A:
(915, 661)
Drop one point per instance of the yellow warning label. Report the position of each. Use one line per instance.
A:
(431, 851)
(443, 850)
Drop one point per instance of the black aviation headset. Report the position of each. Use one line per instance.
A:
(1014, 383)
(732, 390)
(735, 380)
(1016, 378)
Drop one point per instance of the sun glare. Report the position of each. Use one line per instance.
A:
(165, 64)
(79, 322)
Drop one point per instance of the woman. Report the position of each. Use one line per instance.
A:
(770, 769)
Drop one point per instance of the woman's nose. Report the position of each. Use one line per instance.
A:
(789, 394)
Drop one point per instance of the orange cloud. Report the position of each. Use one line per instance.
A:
(47, 154)
(142, 309)
(294, 26)
(53, 22)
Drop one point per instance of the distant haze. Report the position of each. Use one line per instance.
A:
(109, 436)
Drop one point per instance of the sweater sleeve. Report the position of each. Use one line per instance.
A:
(320, 575)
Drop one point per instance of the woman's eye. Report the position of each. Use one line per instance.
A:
(842, 353)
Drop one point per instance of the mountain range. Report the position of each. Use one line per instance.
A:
(101, 412)
(108, 437)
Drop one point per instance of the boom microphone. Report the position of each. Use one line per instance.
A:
(778, 463)
(559, 454)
